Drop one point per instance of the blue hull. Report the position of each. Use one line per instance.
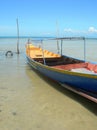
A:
(82, 82)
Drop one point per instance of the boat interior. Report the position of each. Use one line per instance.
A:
(60, 62)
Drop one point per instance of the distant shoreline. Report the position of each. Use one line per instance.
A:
(1, 37)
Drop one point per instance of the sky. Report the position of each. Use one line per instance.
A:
(48, 17)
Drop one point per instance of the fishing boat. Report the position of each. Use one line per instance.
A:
(79, 75)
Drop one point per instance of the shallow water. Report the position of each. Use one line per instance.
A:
(30, 101)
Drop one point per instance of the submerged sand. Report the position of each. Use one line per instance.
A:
(28, 101)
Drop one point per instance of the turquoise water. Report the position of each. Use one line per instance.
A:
(11, 44)
(76, 49)
(70, 48)
(29, 101)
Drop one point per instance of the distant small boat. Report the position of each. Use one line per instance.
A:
(80, 76)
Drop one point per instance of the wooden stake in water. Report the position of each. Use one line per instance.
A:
(17, 37)
(57, 37)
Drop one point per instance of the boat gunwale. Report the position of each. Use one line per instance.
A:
(63, 71)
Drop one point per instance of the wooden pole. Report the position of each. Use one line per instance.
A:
(84, 49)
(17, 36)
(61, 47)
(43, 52)
(57, 37)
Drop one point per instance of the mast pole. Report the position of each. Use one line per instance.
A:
(17, 36)
(43, 52)
(61, 46)
(84, 49)
(57, 37)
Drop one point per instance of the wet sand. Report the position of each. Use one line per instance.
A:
(29, 101)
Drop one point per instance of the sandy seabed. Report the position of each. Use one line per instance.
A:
(29, 101)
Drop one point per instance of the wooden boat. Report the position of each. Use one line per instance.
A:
(80, 76)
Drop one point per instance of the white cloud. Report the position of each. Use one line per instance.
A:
(92, 30)
(68, 30)
(47, 33)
